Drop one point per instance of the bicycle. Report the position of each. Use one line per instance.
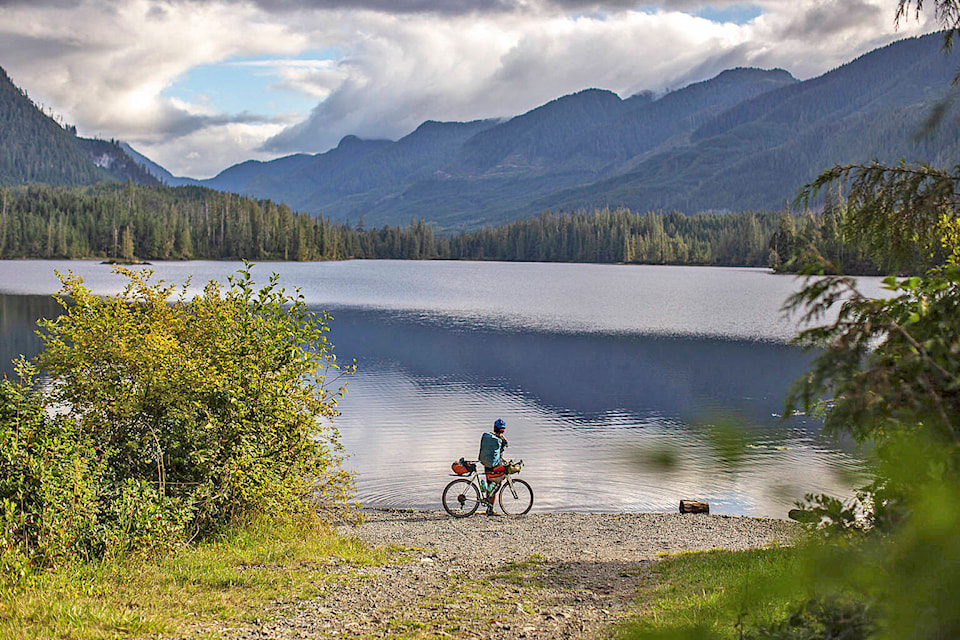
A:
(462, 497)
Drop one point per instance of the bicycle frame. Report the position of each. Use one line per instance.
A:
(474, 478)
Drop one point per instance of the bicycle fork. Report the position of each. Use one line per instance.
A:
(513, 491)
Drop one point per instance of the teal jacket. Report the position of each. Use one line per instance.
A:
(491, 446)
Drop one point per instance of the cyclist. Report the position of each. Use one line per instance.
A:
(491, 450)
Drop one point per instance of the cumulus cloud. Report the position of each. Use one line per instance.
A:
(204, 152)
(105, 65)
(439, 7)
(469, 68)
(826, 19)
(315, 78)
(108, 65)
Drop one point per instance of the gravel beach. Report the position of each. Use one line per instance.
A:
(543, 575)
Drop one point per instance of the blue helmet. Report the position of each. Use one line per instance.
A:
(499, 425)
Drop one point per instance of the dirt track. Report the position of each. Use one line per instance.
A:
(550, 575)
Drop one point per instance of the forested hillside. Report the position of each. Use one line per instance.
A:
(125, 221)
(745, 139)
(129, 222)
(759, 153)
(34, 148)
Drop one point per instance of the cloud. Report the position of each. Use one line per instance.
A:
(405, 7)
(314, 78)
(425, 7)
(62, 4)
(105, 65)
(403, 71)
(206, 151)
(446, 7)
(827, 19)
(108, 65)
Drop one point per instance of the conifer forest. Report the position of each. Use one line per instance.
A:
(135, 222)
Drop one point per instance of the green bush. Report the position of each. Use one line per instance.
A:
(824, 618)
(174, 417)
(50, 484)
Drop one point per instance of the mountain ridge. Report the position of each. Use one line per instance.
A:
(568, 141)
(745, 139)
(34, 148)
(867, 109)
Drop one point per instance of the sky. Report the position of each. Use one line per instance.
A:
(199, 85)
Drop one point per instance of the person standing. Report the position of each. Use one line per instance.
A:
(491, 457)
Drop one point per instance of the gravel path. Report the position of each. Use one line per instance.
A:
(549, 575)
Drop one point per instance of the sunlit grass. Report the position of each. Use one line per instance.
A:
(711, 594)
(194, 591)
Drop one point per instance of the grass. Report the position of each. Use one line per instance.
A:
(240, 578)
(194, 591)
(523, 573)
(712, 594)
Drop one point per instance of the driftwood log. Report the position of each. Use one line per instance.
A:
(694, 506)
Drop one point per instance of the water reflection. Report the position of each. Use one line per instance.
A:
(403, 435)
(580, 406)
(581, 409)
(726, 303)
(18, 326)
(583, 374)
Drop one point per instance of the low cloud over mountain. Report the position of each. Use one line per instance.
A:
(202, 84)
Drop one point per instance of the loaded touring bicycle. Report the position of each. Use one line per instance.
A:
(463, 496)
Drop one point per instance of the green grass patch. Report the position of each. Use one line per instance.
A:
(711, 594)
(193, 591)
(526, 572)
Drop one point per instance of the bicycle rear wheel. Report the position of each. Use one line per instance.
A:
(461, 498)
(517, 501)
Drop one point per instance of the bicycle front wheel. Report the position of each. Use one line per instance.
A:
(461, 498)
(516, 500)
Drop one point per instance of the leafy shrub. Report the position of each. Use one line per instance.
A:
(829, 515)
(176, 417)
(220, 401)
(50, 483)
(825, 618)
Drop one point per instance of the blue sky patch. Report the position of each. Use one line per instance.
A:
(234, 86)
(737, 14)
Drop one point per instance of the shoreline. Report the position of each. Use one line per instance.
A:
(535, 512)
(542, 575)
(567, 535)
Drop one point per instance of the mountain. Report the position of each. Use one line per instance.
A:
(760, 152)
(745, 139)
(466, 174)
(537, 141)
(574, 140)
(34, 148)
(363, 170)
(155, 169)
(112, 159)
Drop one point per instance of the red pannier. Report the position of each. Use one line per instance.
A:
(461, 467)
(497, 472)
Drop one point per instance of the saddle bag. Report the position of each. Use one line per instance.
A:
(461, 467)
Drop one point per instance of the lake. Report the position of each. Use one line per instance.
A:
(600, 371)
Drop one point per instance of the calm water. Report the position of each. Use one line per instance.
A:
(592, 366)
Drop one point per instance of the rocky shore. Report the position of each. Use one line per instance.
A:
(544, 575)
